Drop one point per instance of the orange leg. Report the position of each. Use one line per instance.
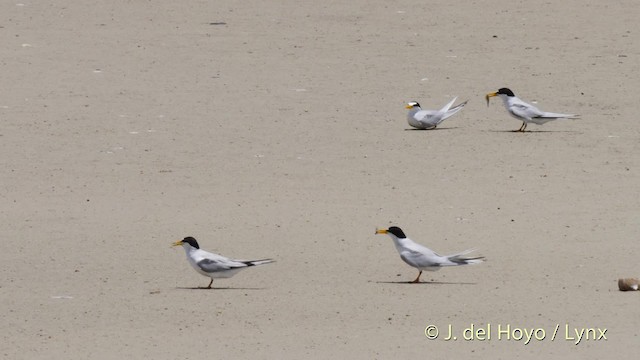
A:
(417, 280)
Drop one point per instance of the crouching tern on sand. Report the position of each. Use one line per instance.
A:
(423, 258)
(429, 119)
(524, 112)
(213, 265)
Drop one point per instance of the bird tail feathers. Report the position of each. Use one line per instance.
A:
(446, 107)
(460, 259)
(551, 115)
(257, 262)
(450, 111)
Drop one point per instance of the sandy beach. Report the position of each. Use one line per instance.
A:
(278, 130)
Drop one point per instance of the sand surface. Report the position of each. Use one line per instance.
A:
(277, 129)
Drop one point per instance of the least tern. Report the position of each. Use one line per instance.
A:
(423, 258)
(429, 119)
(213, 265)
(524, 112)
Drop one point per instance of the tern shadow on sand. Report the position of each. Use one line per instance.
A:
(425, 283)
(533, 131)
(218, 288)
(436, 129)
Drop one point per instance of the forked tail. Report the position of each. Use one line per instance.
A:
(450, 111)
(460, 259)
(551, 115)
(257, 262)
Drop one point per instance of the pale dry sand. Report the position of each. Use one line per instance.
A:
(278, 130)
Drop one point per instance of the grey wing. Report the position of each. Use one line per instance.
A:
(212, 266)
(418, 259)
(427, 118)
(526, 111)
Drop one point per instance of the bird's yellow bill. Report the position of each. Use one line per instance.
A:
(490, 95)
(381, 231)
(408, 107)
(177, 243)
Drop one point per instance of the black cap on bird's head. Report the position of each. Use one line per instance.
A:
(397, 232)
(412, 104)
(505, 91)
(394, 230)
(502, 91)
(191, 241)
(188, 240)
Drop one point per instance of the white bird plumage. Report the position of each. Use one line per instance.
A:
(430, 119)
(423, 258)
(213, 265)
(524, 112)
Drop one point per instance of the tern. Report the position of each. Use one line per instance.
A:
(429, 119)
(423, 258)
(524, 112)
(213, 265)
